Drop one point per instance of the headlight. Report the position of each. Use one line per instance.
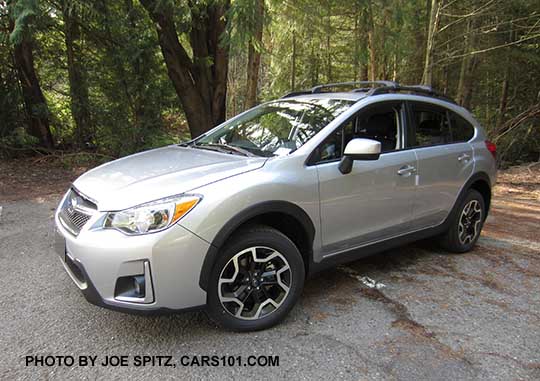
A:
(151, 217)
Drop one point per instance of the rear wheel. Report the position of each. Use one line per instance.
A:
(466, 225)
(256, 280)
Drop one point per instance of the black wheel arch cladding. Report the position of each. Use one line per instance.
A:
(285, 208)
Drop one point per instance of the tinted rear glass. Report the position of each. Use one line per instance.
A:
(462, 130)
(431, 126)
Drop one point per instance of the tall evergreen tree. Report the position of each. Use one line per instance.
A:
(22, 15)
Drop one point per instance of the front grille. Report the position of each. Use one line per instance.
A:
(76, 219)
(76, 212)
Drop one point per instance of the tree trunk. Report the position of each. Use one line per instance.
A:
(313, 59)
(35, 104)
(384, 67)
(468, 83)
(446, 72)
(293, 68)
(503, 101)
(427, 76)
(254, 56)
(420, 35)
(371, 44)
(360, 66)
(328, 45)
(468, 67)
(356, 58)
(78, 86)
(200, 79)
(364, 73)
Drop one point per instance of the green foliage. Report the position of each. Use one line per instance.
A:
(132, 104)
(18, 138)
(22, 12)
(242, 19)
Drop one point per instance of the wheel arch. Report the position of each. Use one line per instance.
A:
(482, 186)
(480, 182)
(286, 217)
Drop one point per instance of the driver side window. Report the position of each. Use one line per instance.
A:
(379, 123)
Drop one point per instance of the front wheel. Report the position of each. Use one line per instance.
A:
(466, 225)
(256, 280)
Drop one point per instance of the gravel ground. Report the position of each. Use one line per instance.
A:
(438, 316)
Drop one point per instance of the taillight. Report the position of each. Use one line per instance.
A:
(492, 148)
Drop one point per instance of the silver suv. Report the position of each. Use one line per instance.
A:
(235, 219)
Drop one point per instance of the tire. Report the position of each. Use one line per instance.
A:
(266, 289)
(465, 227)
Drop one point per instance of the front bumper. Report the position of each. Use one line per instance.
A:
(170, 262)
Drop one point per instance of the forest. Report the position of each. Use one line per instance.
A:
(109, 78)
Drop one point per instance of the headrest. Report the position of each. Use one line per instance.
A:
(430, 127)
(380, 124)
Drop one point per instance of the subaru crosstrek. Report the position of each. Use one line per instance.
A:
(235, 219)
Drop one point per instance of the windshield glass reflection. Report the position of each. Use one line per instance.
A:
(276, 128)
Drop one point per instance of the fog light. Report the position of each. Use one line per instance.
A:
(134, 284)
(130, 287)
(139, 285)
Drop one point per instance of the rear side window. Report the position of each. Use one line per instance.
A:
(431, 126)
(462, 130)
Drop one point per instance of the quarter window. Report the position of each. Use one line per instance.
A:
(462, 130)
(431, 126)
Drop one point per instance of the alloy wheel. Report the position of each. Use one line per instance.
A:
(469, 222)
(254, 283)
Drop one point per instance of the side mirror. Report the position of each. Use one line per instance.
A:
(359, 149)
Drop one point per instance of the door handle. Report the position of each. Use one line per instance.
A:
(406, 170)
(463, 157)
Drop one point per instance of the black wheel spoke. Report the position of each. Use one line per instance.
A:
(252, 281)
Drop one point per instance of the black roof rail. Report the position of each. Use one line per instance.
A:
(369, 84)
(317, 89)
(377, 88)
(413, 89)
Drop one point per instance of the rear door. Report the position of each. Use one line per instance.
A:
(445, 162)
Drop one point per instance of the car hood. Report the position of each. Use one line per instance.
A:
(159, 173)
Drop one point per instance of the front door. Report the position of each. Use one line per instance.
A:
(374, 201)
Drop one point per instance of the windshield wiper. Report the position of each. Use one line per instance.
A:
(224, 148)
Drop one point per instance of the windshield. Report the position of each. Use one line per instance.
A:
(276, 128)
